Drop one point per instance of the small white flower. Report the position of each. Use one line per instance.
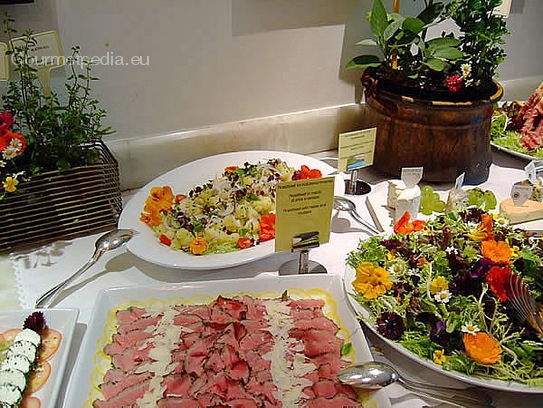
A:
(443, 297)
(501, 221)
(394, 269)
(450, 250)
(470, 328)
(10, 152)
(414, 271)
(466, 70)
(16, 144)
(2, 163)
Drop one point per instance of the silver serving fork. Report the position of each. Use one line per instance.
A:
(523, 302)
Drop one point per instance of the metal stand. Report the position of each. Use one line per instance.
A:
(354, 186)
(303, 265)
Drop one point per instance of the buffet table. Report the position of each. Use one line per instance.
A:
(26, 275)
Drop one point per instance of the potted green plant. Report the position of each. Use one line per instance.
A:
(432, 98)
(58, 179)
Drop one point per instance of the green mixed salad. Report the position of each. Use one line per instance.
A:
(442, 289)
(509, 139)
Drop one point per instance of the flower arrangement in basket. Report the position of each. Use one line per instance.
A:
(451, 67)
(38, 132)
(58, 180)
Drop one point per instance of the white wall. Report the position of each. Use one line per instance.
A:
(217, 61)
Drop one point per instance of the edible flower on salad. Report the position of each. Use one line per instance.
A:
(498, 252)
(370, 281)
(483, 231)
(482, 348)
(198, 246)
(403, 226)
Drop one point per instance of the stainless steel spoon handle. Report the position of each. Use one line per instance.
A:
(362, 221)
(458, 398)
(48, 297)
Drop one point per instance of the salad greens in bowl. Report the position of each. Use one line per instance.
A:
(447, 291)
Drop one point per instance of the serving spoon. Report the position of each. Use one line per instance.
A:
(374, 375)
(107, 242)
(344, 204)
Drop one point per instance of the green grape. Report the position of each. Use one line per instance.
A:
(426, 191)
(490, 199)
(439, 206)
(426, 209)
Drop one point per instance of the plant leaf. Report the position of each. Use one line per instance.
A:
(391, 29)
(435, 64)
(413, 24)
(430, 13)
(367, 41)
(448, 53)
(379, 19)
(443, 42)
(363, 61)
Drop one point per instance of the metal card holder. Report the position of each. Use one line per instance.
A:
(302, 243)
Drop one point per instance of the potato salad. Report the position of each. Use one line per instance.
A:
(233, 211)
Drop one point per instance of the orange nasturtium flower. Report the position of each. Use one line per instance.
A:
(497, 278)
(484, 231)
(498, 252)
(160, 199)
(371, 281)
(482, 348)
(403, 226)
(230, 169)
(307, 173)
(266, 229)
(198, 246)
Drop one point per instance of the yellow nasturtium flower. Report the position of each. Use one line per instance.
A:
(438, 284)
(10, 184)
(439, 357)
(371, 281)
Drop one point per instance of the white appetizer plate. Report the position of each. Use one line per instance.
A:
(145, 244)
(62, 320)
(328, 287)
(350, 276)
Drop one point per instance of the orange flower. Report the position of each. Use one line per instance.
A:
(482, 348)
(498, 252)
(160, 199)
(484, 231)
(371, 281)
(230, 169)
(403, 226)
(198, 246)
(266, 229)
(497, 277)
(307, 173)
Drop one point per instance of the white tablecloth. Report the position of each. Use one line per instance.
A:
(38, 270)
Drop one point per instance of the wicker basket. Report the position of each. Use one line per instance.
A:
(62, 204)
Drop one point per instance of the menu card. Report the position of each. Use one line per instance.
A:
(303, 213)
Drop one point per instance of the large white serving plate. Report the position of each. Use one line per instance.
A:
(64, 321)
(145, 244)
(316, 286)
(514, 153)
(350, 276)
